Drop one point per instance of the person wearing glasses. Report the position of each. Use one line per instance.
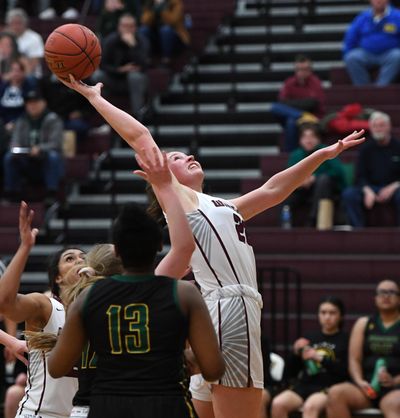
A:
(374, 340)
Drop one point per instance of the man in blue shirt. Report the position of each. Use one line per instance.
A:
(373, 41)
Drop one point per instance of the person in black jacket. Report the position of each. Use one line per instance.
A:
(321, 358)
(378, 172)
(124, 63)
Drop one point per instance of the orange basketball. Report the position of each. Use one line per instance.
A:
(72, 49)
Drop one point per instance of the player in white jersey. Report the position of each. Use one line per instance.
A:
(44, 396)
(52, 397)
(229, 286)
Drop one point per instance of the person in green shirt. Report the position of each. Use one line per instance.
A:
(326, 182)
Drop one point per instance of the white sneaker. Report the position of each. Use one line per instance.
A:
(104, 129)
(48, 14)
(70, 13)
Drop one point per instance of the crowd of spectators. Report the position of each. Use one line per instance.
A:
(332, 373)
(33, 117)
(135, 36)
(371, 55)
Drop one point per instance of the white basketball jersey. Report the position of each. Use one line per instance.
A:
(45, 396)
(223, 256)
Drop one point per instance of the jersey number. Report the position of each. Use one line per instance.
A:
(88, 359)
(240, 229)
(137, 317)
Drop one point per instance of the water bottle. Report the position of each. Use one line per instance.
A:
(286, 217)
(375, 385)
(312, 367)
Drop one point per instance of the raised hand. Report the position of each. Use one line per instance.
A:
(82, 88)
(350, 141)
(26, 232)
(154, 167)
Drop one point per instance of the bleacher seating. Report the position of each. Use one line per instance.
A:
(218, 106)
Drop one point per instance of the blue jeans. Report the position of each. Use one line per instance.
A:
(16, 167)
(359, 62)
(79, 126)
(165, 40)
(288, 116)
(353, 202)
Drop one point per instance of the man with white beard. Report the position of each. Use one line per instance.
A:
(377, 172)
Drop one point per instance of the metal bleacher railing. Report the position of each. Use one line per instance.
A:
(282, 294)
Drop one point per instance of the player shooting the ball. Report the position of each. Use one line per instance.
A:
(223, 262)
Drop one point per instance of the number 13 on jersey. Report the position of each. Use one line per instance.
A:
(134, 318)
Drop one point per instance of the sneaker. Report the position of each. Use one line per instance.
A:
(104, 129)
(343, 228)
(47, 14)
(70, 13)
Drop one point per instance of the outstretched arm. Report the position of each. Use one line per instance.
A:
(281, 185)
(131, 130)
(156, 171)
(13, 305)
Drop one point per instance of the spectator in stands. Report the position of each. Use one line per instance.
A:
(372, 338)
(326, 182)
(373, 41)
(12, 93)
(377, 172)
(321, 358)
(164, 24)
(124, 63)
(301, 98)
(35, 148)
(8, 53)
(67, 9)
(112, 11)
(68, 104)
(30, 43)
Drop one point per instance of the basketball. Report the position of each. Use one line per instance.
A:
(72, 49)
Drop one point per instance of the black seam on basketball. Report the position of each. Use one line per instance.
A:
(87, 60)
(72, 69)
(73, 41)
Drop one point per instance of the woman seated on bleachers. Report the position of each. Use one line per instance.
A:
(12, 92)
(164, 24)
(374, 360)
(321, 358)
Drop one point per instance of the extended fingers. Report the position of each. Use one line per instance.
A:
(143, 162)
(25, 216)
(141, 173)
(156, 153)
(164, 159)
(354, 135)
